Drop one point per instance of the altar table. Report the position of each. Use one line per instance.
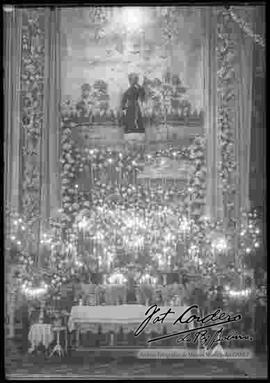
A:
(125, 318)
(40, 333)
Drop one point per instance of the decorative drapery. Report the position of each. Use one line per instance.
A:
(31, 90)
(50, 148)
(228, 108)
(12, 48)
(234, 89)
(32, 117)
(258, 128)
(32, 114)
(214, 205)
(244, 72)
(12, 59)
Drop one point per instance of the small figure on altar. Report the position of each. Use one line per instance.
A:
(131, 291)
(84, 106)
(132, 116)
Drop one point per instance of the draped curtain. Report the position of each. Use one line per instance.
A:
(32, 123)
(217, 200)
(50, 147)
(214, 205)
(12, 52)
(258, 128)
(12, 59)
(243, 107)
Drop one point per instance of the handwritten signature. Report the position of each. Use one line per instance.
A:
(213, 319)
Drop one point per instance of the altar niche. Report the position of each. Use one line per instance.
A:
(141, 80)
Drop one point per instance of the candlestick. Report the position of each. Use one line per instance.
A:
(120, 175)
(92, 173)
(164, 279)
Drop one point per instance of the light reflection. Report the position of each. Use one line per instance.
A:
(132, 18)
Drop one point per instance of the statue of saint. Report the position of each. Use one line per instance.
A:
(84, 106)
(132, 116)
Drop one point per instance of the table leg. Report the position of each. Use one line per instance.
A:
(77, 337)
(111, 339)
(58, 338)
(66, 341)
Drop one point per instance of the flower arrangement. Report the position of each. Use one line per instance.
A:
(115, 294)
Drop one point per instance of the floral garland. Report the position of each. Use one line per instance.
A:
(125, 165)
(197, 187)
(68, 172)
(246, 28)
(226, 104)
(167, 14)
(60, 254)
(32, 73)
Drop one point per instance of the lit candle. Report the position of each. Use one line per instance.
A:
(110, 160)
(169, 261)
(120, 175)
(91, 172)
(77, 193)
(165, 279)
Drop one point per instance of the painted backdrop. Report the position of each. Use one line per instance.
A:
(108, 43)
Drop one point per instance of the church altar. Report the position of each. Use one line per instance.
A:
(124, 319)
(88, 199)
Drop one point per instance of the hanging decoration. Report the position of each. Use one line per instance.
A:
(32, 82)
(258, 39)
(226, 80)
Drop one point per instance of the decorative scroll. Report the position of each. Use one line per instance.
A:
(32, 84)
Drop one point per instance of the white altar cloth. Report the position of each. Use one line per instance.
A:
(125, 317)
(40, 333)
